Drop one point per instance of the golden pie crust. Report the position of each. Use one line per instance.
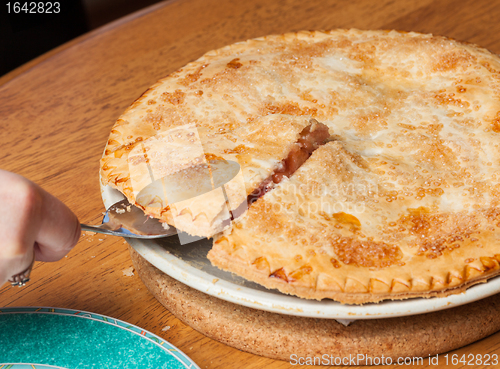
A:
(402, 202)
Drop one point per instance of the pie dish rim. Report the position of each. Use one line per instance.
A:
(280, 303)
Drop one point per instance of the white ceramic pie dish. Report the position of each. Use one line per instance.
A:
(188, 264)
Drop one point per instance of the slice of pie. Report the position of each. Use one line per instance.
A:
(369, 161)
(183, 158)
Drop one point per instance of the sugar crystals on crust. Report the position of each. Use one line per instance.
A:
(404, 199)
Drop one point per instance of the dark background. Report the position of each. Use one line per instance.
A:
(26, 36)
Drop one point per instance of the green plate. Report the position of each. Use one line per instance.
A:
(39, 337)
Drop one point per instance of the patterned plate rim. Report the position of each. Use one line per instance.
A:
(153, 338)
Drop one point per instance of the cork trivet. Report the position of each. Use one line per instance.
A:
(278, 336)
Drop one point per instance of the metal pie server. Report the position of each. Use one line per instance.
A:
(126, 220)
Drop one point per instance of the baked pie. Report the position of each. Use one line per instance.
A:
(368, 161)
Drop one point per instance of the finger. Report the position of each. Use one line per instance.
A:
(32, 218)
(14, 265)
(19, 223)
(59, 229)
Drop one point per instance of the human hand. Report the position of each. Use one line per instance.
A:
(32, 220)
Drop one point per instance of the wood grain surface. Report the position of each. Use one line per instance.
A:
(57, 111)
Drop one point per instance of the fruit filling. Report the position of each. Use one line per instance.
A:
(311, 137)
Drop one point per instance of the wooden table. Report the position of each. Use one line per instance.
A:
(56, 113)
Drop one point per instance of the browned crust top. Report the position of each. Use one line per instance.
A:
(416, 122)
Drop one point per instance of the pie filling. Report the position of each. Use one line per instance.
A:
(311, 137)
